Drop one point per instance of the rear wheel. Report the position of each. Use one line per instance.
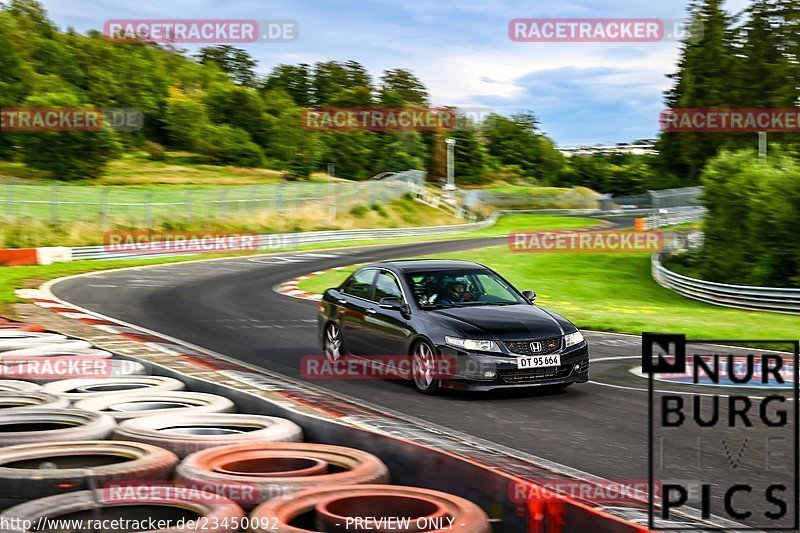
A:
(333, 342)
(424, 368)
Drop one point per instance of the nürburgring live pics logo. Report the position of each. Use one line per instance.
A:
(738, 448)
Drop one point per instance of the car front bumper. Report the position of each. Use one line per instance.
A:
(471, 370)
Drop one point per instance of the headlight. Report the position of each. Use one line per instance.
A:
(572, 339)
(472, 345)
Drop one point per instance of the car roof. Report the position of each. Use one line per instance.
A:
(424, 265)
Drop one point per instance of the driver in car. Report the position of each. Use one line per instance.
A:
(457, 292)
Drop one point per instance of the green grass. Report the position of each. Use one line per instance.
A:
(611, 292)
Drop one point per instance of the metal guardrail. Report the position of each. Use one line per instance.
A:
(283, 241)
(280, 241)
(778, 300)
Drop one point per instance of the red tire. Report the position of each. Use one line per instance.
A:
(277, 469)
(427, 510)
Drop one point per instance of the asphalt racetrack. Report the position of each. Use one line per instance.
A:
(229, 306)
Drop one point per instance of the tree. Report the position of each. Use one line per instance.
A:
(400, 88)
(235, 62)
(704, 79)
(186, 120)
(67, 155)
(332, 79)
(516, 141)
(295, 80)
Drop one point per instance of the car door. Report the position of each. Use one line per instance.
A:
(386, 331)
(355, 302)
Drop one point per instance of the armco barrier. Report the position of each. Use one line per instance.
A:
(281, 241)
(778, 300)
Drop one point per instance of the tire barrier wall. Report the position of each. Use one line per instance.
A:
(415, 464)
(777, 300)
(413, 459)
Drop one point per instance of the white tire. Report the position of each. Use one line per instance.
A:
(31, 399)
(16, 385)
(42, 425)
(124, 406)
(193, 432)
(79, 389)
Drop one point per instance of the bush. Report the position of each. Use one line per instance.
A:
(230, 146)
(359, 210)
(378, 208)
(753, 215)
(155, 151)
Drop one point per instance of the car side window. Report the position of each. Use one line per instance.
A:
(386, 286)
(359, 284)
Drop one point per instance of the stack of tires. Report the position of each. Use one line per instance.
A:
(136, 452)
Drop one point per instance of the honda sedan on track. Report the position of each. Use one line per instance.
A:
(458, 325)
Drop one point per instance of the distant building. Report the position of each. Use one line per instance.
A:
(638, 147)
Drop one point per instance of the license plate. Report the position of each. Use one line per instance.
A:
(538, 361)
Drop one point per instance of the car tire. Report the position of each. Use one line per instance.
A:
(79, 389)
(281, 468)
(358, 501)
(216, 515)
(30, 399)
(124, 406)
(104, 461)
(423, 368)
(160, 431)
(333, 342)
(29, 425)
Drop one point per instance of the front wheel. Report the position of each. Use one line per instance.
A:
(424, 369)
(333, 342)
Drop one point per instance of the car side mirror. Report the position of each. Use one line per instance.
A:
(530, 295)
(392, 303)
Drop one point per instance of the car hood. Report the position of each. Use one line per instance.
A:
(507, 322)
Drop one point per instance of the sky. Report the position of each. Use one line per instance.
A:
(582, 93)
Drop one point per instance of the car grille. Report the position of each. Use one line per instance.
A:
(529, 375)
(524, 347)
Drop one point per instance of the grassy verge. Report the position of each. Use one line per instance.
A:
(403, 212)
(611, 292)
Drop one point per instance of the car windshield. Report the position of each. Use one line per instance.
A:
(464, 288)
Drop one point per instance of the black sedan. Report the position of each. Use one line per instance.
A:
(458, 325)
